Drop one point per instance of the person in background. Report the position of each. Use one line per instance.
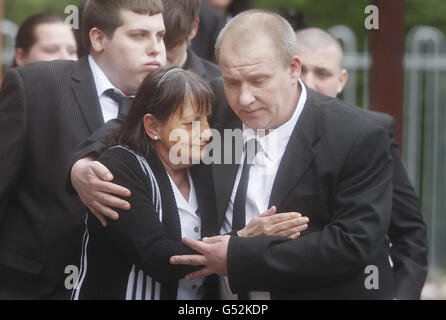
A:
(322, 70)
(181, 19)
(182, 23)
(210, 26)
(222, 6)
(230, 8)
(214, 14)
(44, 37)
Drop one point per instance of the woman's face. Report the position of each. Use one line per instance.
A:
(183, 137)
(54, 41)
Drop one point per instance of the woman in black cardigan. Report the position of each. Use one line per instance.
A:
(130, 258)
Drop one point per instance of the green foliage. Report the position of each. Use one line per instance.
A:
(18, 10)
(326, 13)
(426, 12)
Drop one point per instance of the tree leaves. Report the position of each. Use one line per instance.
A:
(18, 10)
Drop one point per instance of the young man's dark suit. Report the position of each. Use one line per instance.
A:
(407, 231)
(336, 170)
(46, 110)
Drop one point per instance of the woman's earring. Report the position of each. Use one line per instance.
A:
(155, 138)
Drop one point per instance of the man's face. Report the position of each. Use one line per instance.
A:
(259, 88)
(321, 70)
(54, 41)
(136, 48)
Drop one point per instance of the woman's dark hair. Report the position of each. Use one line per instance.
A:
(162, 93)
(26, 36)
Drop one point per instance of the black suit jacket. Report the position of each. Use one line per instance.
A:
(336, 170)
(209, 71)
(46, 110)
(407, 231)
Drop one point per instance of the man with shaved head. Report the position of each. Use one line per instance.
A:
(331, 163)
(322, 71)
(321, 56)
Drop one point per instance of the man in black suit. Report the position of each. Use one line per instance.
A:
(322, 71)
(46, 110)
(332, 164)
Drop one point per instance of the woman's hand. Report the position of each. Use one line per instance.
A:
(288, 224)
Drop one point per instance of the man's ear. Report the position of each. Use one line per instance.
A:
(98, 40)
(343, 78)
(151, 126)
(194, 30)
(20, 57)
(295, 68)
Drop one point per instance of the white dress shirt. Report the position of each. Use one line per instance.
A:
(191, 228)
(262, 175)
(109, 107)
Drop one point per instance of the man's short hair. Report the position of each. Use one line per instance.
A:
(179, 19)
(106, 15)
(261, 22)
(316, 38)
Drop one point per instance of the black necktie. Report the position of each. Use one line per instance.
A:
(123, 102)
(239, 208)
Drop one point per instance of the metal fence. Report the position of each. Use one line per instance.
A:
(425, 133)
(9, 30)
